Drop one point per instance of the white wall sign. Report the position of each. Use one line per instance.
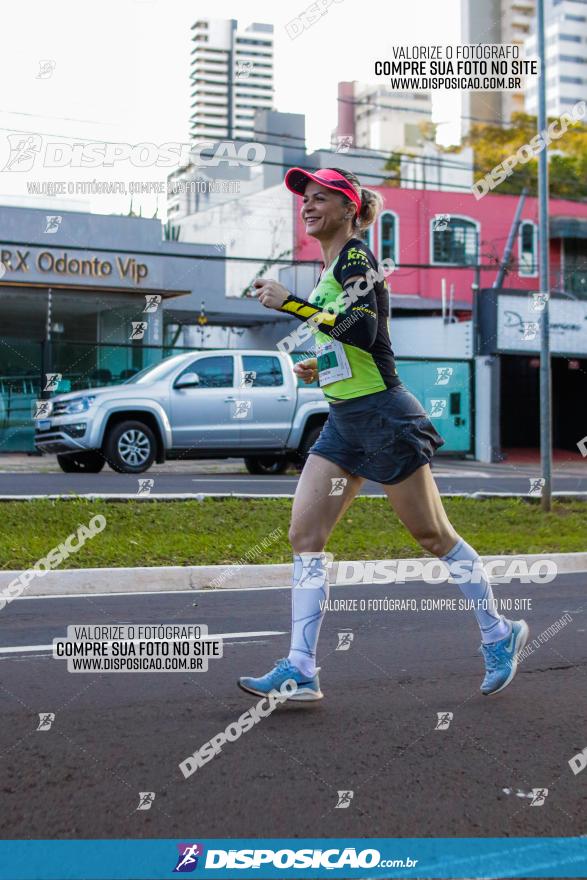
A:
(518, 325)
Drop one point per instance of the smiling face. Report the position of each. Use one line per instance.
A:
(326, 212)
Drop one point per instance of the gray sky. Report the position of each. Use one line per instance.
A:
(122, 71)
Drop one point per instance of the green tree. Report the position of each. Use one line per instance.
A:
(567, 164)
(393, 164)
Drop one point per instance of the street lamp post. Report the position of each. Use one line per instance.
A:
(545, 373)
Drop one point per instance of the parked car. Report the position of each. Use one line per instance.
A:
(221, 404)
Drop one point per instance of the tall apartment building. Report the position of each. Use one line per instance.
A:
(566, 57)
(195, 188)
(231, 74)
(494, 21)
(377, 118)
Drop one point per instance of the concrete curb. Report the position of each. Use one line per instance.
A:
(71, 582)
(199, 496)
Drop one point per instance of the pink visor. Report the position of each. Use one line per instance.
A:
(296, 180)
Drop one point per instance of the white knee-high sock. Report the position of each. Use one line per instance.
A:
(466, 568)
(309, 594)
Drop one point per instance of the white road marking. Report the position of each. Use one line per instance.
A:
(440, 472)
(251, 480)
(152, 593)
(23, 649)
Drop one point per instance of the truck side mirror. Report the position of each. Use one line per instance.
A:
(188, 380)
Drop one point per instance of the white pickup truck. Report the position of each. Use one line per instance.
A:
(207, 404)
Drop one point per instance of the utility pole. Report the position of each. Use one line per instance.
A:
(510, 242)
(543, 232)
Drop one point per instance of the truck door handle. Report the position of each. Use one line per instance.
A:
(226, 399)
(283, 397)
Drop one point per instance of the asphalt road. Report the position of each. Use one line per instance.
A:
(455, 478)
(115, 735)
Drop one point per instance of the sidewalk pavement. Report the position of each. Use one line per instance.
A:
(565, 462)
(15, 462)
(532, 457)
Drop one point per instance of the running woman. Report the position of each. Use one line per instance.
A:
(376, 430)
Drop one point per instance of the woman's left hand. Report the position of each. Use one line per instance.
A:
(271, 294)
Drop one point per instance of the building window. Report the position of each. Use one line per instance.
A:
(365, 235)
(388, 236)
(570, 38)
(527, 248)
(455, 242)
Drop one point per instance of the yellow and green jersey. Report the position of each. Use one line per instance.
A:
(349, 323)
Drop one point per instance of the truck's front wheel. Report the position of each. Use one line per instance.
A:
(266, 465)
(130, 447)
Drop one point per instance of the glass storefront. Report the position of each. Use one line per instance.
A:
(89, 345)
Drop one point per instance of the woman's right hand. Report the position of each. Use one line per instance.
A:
(307, 370)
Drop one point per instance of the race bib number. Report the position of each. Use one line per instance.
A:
(333, 364)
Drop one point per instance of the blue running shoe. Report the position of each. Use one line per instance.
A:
(501, 658)
(307, 688)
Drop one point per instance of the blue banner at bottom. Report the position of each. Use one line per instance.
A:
(311, 858)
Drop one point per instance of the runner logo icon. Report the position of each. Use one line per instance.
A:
(187, 861)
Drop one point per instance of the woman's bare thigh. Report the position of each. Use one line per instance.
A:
(323, 494)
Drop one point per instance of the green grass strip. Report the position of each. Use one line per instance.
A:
(250, 530)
